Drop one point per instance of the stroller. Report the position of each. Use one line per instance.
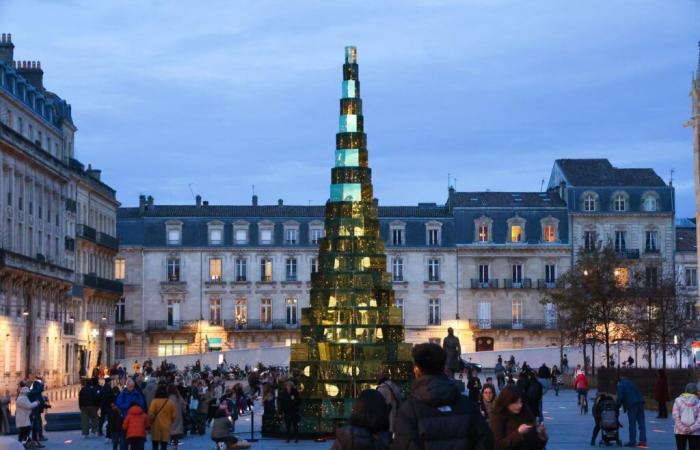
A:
(607, 419)
(195, 423)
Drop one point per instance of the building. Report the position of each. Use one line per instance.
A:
(236, 276)
(694, 123)
(47, 324)
(686, 259)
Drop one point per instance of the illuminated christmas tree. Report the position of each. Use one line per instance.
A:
(352, 332)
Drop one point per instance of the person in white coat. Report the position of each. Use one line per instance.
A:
(686, 418)
(22, 414)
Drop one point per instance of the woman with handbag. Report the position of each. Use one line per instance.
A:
(161, 415)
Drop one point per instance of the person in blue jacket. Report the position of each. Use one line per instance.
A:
(632, 402)
(128, 395)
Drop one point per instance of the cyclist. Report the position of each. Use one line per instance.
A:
(581, 387)
(556, 379)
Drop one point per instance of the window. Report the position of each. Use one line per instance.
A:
(691, 277)
(398, 303)
(550, 273)
(483, 233)
(483, 274)
(266, 236)
(434, 311)
(266, 311)
(397, 269)
(241, 269)
(240, 233)
(433, 237)
(119, 268)
(173, 312)
(120, 311)
(517, 313)
(173, 236)
(620, 241)
(397, 236)
(291, 269)
(241, 311)
(516, 233)
(316, 235)
(119, 350)
(290, 236)
(216, 236)
(651, 240)
(265, 269)
(652, 276)
(172, 347)
(619, 202)
(483, 314)
(621, 277)
(173, 268)
(215, 311)
(433, 269)
(517, 278)
(314, 265)
(292, 311)
(589, 202)
(215, 269)
(649, 203)
(550, 233)
(589, 240)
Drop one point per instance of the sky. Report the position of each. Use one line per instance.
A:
(173, 98)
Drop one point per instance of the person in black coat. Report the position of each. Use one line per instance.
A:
(290, 406)
(436, 413)
(369, 424)
(533, 399)
(105, 397)
(474, 387)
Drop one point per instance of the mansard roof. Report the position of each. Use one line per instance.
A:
(487, 199)
(686, 237)
(599, 172)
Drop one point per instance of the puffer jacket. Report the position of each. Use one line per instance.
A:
(438, 417)
(683, 402)
(135, 423)
(356, 438)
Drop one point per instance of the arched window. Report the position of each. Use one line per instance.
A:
(650, 202)
(589, 202)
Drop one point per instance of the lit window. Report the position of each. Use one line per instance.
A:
(483, 233)
(266, 311)
(241, 312)
(517, 313)
(119, 269)
(621, 276)
(620, 202)
(215, 311)
(215, 269)
(550, 233)
(397, 269)
(292, 309)
(265, 269)
(516, 233)
(434, 311)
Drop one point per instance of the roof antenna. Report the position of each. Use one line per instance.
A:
(541, 184)
(455, 180)
(670, 182)
(448, 181)
(191, 191)
(253, 189)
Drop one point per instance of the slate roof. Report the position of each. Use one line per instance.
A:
(686, 240)
(599, 172)
(507, 199)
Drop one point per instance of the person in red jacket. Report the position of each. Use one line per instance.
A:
(661, 394)
(135, 425)
(581, 385)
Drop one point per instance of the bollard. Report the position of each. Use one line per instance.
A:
(252, 424)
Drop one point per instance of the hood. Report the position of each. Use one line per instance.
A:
(135, 410)
(436, 390)
(689, 400)
(360, 438)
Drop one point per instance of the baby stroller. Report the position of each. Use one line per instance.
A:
(607, 418)
(195, 423)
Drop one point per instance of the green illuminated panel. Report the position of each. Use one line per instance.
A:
(348, 123)
(349, 89)
(348, 192)
(349, 157)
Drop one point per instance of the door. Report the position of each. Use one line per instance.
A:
(484, 344)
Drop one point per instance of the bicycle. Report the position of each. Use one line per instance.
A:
(583, 401)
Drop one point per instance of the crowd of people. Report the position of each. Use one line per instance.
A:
(31, 404)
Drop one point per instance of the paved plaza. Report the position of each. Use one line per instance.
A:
(568, 430)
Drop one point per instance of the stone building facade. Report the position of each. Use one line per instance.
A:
(47, 324)
(203, 276)
(694, 124)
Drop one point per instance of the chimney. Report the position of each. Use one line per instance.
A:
(205, 203)
(150, 200)
(7, 49)
(198, 200)
(280, 202)
(31, 71)
(142, 203)
(255, 200)
(93, 173)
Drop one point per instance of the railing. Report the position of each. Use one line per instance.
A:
(126, 325)
(653, 251)
(241, 279)
(484, 284)
(103, 284)
(174, 325)
(525, 283)
(86, 232)
(70, 244)
(71, 205)
(546, 284)
(69, 329)
(627, 254)
(215, 322)
(256, 324)
(510, 324)
(107, 241)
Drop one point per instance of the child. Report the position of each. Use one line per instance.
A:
(114, 424)
(135, 425)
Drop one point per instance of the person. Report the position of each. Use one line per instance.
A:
(369, 424)
(500, 373)
(534, 396)
(177, 430)
(632, 402)
(630, 361)
(686, 419)
(5, 401)
(88, 404)
(129, 395)
(105, 398)
(474, 386)
(565, 364)
(392, 396)
(290, 405)
(222, 428)
(161, 415)
(459, 423)
(581, 385)
(36, 393)
(601, 401)
(135, 425)
(149, 392)
(544, 375)
(136, 367)
(556, 379)
(23, 414)
(661, 394)
(453, 349)
(513, 424)
(612, 361)
(114, 427)
(488, 401)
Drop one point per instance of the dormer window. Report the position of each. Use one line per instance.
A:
(291, 233)
(550, 229)
(398, 233)
(650, 202)
(619, 202)
(433, 231)
(315, 232)
(173, 232)
(216, 232)
(266, 230)
(240, 233)
(590, 201)
(516, 228)
(482, 225)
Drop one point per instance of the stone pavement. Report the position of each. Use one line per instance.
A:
(567, 428)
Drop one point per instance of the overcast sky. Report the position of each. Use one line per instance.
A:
(223, 95)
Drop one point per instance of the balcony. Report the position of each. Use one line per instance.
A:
(69, 329)
(103, 284)
(71, 205)
(215, 282)
(487, 284)
(173, 325)
(86, 232)
(627, 254)
(108, 241)
(546, 284)
(525, 283)
(127, 325)
(91, 234)
(256, 325)
(652, 251)
(510, 324)
(69, 244)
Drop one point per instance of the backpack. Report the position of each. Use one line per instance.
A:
(688, 417)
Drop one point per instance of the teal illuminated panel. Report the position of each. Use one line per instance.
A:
(349, 90)
(348, 123)
(347, 157)
(347, 192)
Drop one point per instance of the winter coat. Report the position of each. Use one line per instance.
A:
(5, 410)
(290, 404)
(661, 394)
(106, 397)
(474, 388)
(178, 425)
(437, 416)
(627, 394)
(126, 398)
(24, 410)
(356, 438)
(534, 396)
(221, 428)
(500, 371)
(487, 408)
(683, 402)
(116, 419)
(505, 431)
(87, 396)
(581, 382)
(453, 349)
(161, 415)
(392, 396)
(135, 423)
(544, 372)
(149, 392)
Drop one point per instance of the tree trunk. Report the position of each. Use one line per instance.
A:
(584, 357)
(649, 350)
(607, 345)
(593, 357)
